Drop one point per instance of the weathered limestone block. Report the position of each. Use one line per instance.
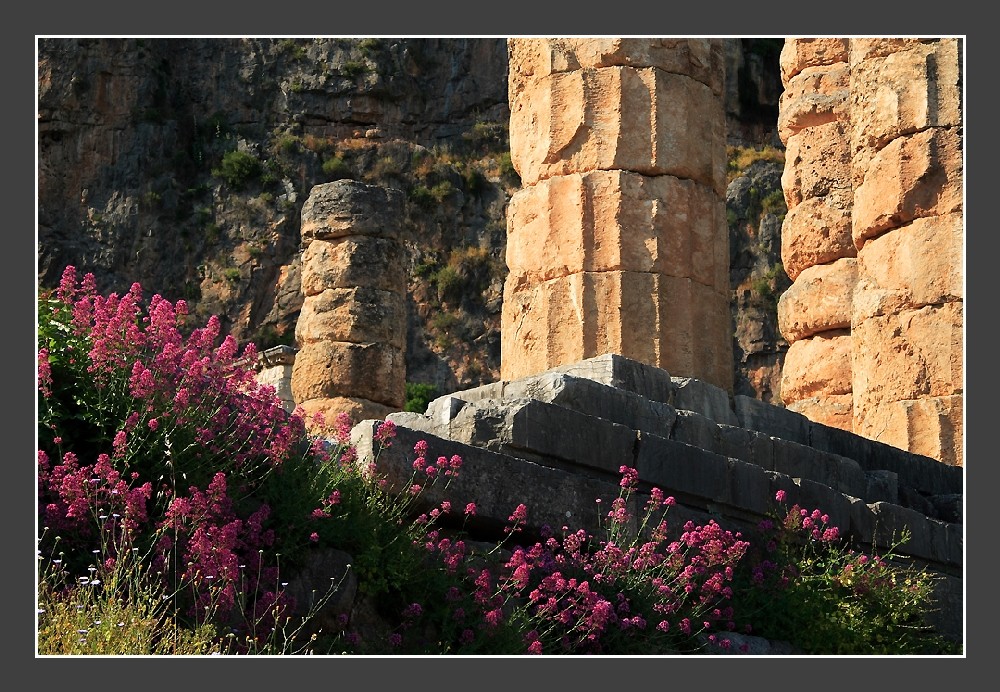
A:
(354, 260)
(594, 399)
(556, 497)
(617, 221)
(818, 164)
(775, 421)
(818, 300)
(865, 48)
(701, 397)
(357, 314)
(916, 265)
(279, 376)
(348, 207)
(907, 355)
(530, 59)
(617, 371)
(833, 410)
(817, 366)
(643, 120)
(677, 467)
(801, 53)
(902, 92)
(815, 232)
(914, 176)
(673, 323)
(815, 96)
(373, 371)
(930, 426)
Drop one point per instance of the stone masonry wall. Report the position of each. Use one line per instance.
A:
(555, 441)
(873, 238)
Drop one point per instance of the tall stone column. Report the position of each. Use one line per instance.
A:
(908, 225)
(617, 242)
(817, 250)
(352, 328)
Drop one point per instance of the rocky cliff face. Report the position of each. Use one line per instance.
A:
(183, 164)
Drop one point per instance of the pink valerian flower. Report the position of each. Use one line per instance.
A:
(342, 427)
(470, 509)
(780, 496)
(420, 448)
(630, 477)
(385, 433)
(520, 514)
(314, 537)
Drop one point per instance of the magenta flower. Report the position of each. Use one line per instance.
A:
(780, 496)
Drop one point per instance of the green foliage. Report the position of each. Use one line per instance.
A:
(418, 395)
(827, 598)
(294, 49)
(352, 69)
(231, 274)
(507, 170)
(238, 168)
(450, 284)
(774, 203)
(369, 46)
(335, 168)
(289, 145)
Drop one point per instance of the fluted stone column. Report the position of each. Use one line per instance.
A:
(873, 238)
(617, 242)
(352, 328)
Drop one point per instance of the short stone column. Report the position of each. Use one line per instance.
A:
(908, 225)
(817, 250)
(352, 329)
(617, 242)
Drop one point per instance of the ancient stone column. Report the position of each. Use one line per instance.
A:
(617, 242)
(352, 329)
(873, 238)
(908, 225)
(817, 250)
